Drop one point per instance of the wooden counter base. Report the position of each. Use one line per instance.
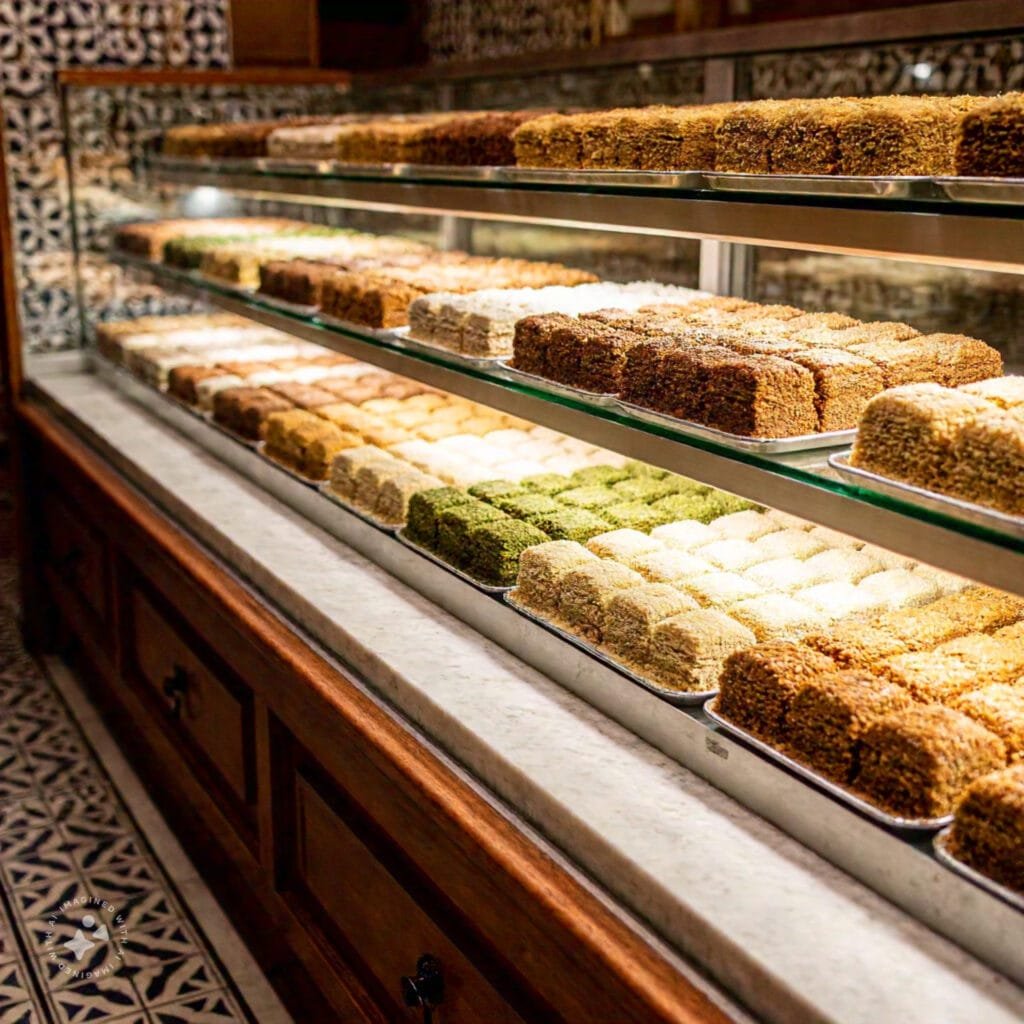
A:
(323, 820)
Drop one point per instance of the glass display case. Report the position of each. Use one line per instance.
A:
(878, 248)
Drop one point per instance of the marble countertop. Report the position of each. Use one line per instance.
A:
(791, 937)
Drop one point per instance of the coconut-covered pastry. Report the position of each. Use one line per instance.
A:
(542, 568)
(632, 615)
(687, 651)
(586, 592)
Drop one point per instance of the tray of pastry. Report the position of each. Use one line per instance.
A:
(433, 556)
(942, 846)
(841, 793)
(307, 312)
(505, 369)
(681, 698)
(956, 508)
(228, 432)
(342, 502)
(287, 467)
(406, 340)
(740, 442)
(1008, 191)
(656, 180)
(835, 186)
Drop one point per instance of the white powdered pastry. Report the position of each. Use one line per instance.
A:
(838, 599)
(777, 617)
(746, 525)
(844, 564)
(305, 142)
(482, 323)
(789, 544)
(722, 589)
(787, 521)
(622, 544)
(786, 574)
(900, 588)
(733, 555)
(668, 565)
(516, 469)
(686, 535)
(835, 539)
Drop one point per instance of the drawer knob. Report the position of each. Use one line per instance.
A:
(425, 988)
(175, 687)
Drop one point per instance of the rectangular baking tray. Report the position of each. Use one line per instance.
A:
(1009, 191)
(567, 178)
(294, 308)
(955, 508)
(406, 340)
(487, 588)
(869, 810)
(507, 370)
(291, 471)
(332, 496)
(360, 330)
(940, 844)
(758, 445)
(826, 185)
(681, 698)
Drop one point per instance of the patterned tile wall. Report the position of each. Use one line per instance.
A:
(37, 39)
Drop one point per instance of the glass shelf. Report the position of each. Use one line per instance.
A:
(974, 223)
(798, 482)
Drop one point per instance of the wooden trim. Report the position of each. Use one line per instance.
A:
(646, 986)
(10, 320)
(108, 78)
(924, 21)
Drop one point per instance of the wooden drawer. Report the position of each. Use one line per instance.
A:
(357, 890)
(198, 693)
(77, 557)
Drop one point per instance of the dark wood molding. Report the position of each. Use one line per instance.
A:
(108, 78)
(923, 21)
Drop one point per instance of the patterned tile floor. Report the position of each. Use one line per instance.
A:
(92, 927)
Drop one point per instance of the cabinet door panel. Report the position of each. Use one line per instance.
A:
(356, 899)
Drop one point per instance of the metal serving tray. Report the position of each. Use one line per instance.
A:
(681, 698)
(866, 808)
(407, 341)
(759, 445)
(487, 588)
(294, 308)
(247, 442)
(331, 495)
(940, 844)
(387, 334)
(673, 180)
(827, 185)
(290, 470)
(1009, 191)
(507, 370)
(956, 508)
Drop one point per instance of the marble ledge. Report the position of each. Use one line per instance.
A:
(790, 936)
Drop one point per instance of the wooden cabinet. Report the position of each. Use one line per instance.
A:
(196, 694)
(344, 847)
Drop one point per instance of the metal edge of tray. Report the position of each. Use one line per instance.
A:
(677, 697)
(336, 499)
(757, 445)
(955, 508)
(487, 588)
(869, 810)
(595, 178)
(826, 185)
(306, 312)
(505, 369)
(385, 334)
(940, 844)
(1009, 191)
(904, 872)
(245, 442)
(261, 449)
(406, 340)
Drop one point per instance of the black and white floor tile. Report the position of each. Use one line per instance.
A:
(92, 927)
